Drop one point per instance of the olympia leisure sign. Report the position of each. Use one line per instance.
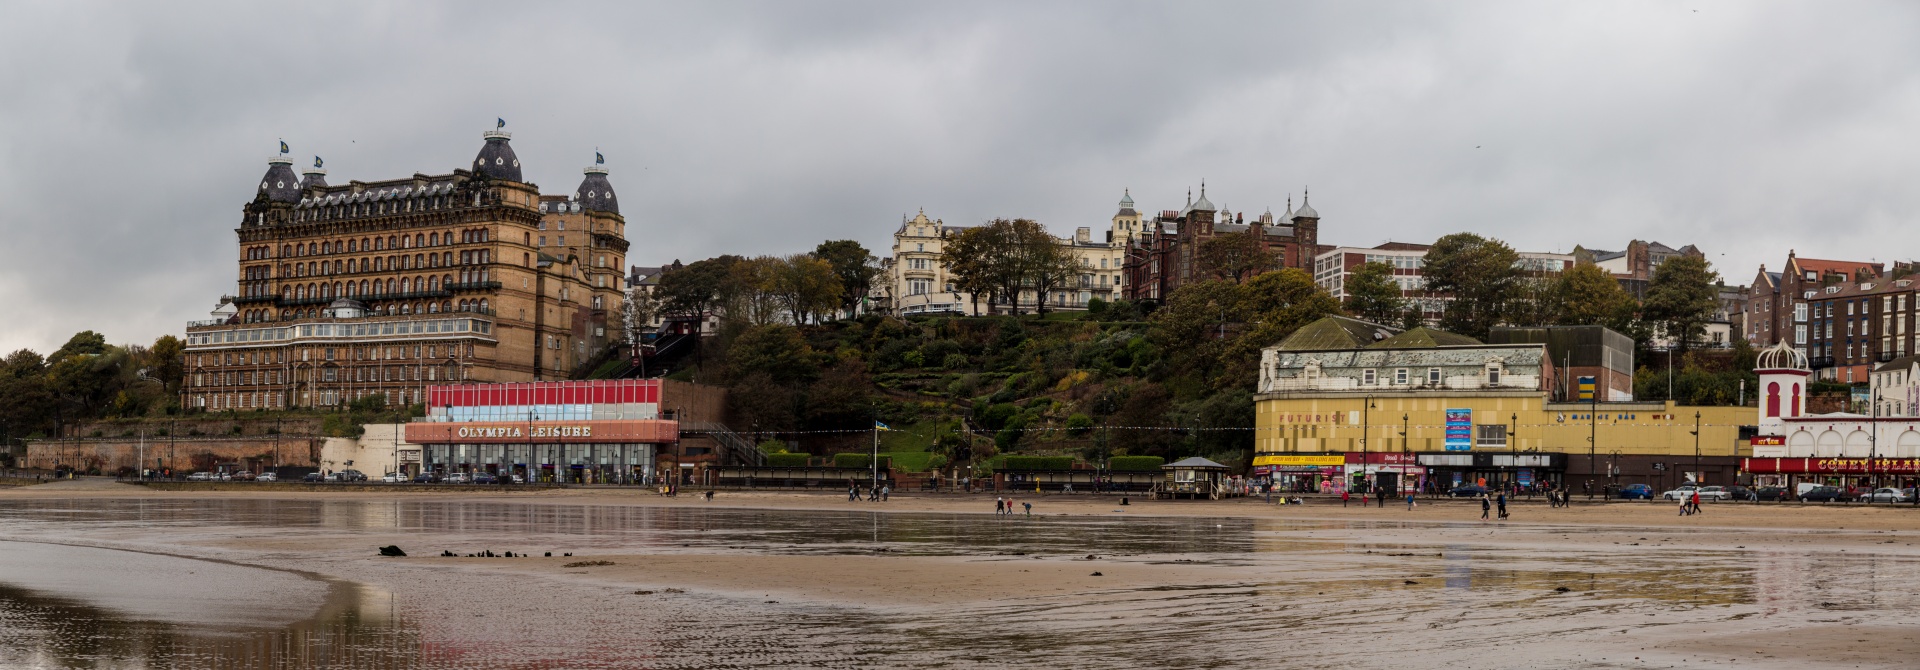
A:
(514, 431)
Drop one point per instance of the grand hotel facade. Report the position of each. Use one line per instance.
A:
(385, 288)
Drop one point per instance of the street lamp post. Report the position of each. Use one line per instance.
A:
(1406, 450)
(1366, 422)
(1701, 478)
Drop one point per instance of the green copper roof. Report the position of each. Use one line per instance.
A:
(1336, 332)
(1423, 338)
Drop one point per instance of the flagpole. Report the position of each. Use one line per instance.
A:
(876, 455)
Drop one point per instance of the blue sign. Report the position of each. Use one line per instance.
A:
(1459, 430)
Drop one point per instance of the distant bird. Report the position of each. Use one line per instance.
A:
(1476, 146)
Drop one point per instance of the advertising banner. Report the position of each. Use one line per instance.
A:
(1297, 460)
(1459, 430)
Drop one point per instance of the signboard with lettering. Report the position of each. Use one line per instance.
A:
(575, 432)
(1459, 430)
(1299, 459)
(1768, 440)
(1587, 384)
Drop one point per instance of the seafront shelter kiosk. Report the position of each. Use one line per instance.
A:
(1194, 478)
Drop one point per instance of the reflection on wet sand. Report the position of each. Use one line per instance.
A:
(1275, 593)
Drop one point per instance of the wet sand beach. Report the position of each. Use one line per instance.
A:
(785, 579)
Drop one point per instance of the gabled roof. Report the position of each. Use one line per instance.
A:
(1801, 265)
(1194, 462)
(1901, 363)
(1424, 337)
(1336, 332)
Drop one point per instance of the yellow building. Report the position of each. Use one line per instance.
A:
(1344, 400)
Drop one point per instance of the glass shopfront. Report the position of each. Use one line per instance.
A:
(584, 463)
(1527, 471)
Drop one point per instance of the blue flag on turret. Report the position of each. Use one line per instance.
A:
(599, 159)
(283, 147)
(317, 162)
(499, 123)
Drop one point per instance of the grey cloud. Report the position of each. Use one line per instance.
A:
(135, 132)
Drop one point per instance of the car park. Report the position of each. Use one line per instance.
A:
(1636, 492)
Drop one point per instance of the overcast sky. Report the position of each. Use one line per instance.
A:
(134, 132)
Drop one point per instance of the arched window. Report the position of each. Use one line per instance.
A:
(406, 309)
(446, 258)
(419, 261)
(434, 239)
(353, 245)
(363, 287)
(363, 245)
(406, 286)
(286, 250)
(1796, 399)
(389, 285)
(326, 291)
(446, 306)
(379, 243)
(447, 237)
(483, 304)
(446, 280)
(1773, 399)
(463, 305)
(419, 240)
(433, 284)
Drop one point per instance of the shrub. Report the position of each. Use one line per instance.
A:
(914, 359)
(792, 460)
(954, 361)
(1135, 463)
(1079, 424)
(1038, 463)
(1010, 436)
(858, 461)
(995, 417)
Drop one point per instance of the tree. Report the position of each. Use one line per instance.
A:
(83, 342)
(750, 294)
(1588, 295)
(696, 290)
(973, 258)
(854, 266)
(776, 350)
(1372, 294)
(1481, 274)
(166, 362)
(806, 287)
(639, 309)
(1037, 261)
(1682, 299)
(1237, 256)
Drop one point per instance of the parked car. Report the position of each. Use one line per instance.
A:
(350, 476)
(456, 478)
(1887, 495)
(1635, 492)
(266, 477)
(313, 477)
(201, 477)
(484, 478)
(1467, 491)
(1714, 493)
(1740, 493)
(1772, 494)
(425, 478)
(1824, 494)
(243, 476)
(1685, 491)
(517, 479)
(392, 478)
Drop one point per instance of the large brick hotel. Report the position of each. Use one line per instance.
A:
(388, 287)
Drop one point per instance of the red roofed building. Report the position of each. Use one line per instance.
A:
(1777, 308)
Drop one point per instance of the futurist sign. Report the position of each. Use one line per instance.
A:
(1459, 430)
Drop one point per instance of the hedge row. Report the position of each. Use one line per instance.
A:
(1135, 463)
(788, 460)
(1030, 463)
(859, 461)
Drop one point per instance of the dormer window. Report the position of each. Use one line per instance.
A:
(1433, 376)
(1493, 374)
(1367, 377)
(1400, 377)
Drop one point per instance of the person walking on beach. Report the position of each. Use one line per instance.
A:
(999, 506)
(853, 493)
(1029, 507)
(884, 491)
(1502, 501)
(1344, 493)
(1696, 501)
(1409, 500)
(1486, 506)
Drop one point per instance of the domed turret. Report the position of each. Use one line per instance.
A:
(595, 194)
(496, 159)
(314, 177)
(280, 185)
(1306, 210)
